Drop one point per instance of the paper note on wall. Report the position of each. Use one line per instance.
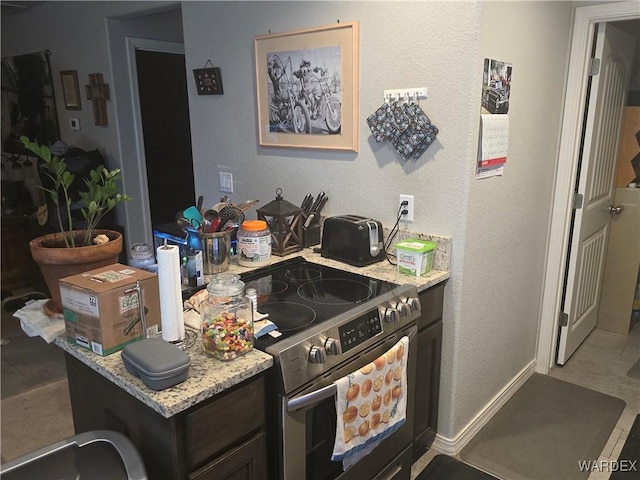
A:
(494, 143)
(495, 140)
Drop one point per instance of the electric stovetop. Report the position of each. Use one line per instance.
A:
(298, 294)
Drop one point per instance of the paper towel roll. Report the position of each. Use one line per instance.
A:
(171, 313)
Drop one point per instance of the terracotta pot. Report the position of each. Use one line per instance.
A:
(57, 261)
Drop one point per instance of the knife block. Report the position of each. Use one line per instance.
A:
(311, 236)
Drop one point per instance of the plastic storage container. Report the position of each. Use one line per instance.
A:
(254, 244)
(227, 318)
(158, 363)
(142, 256)
(414, 256)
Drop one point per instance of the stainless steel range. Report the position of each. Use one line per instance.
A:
(331, 323)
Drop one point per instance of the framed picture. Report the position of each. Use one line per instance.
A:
(307, 87)
(70, 90)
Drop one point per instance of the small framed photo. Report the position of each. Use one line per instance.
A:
(307, 87)
(208, 81)
(70, 90)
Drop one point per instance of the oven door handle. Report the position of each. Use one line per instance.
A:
(311, 398)
(323, 393)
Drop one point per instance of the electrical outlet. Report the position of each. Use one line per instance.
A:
(226, 182)
(408, 217)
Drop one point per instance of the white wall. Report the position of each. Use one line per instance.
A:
(499, 226)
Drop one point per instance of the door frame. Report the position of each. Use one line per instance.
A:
(585, 21)
(134, 44)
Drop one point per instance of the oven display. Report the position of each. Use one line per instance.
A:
(360, 330)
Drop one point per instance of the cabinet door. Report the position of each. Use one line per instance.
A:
(225, 421)
(425, 422)
(246, 462)
(431, 304)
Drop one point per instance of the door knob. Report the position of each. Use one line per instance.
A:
(615, 210)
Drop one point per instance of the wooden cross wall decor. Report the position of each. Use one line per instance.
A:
(98, 93)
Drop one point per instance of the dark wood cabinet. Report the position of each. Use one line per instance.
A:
(16, 257)
(425, 423)
(221, 437)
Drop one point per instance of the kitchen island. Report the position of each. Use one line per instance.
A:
(215, 421)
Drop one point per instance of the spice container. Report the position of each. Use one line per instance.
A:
(227, 318)
(254, 244)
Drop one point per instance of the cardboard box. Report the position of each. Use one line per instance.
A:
(414, 256)
(101, 308)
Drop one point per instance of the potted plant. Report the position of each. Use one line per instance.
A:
(72, 251)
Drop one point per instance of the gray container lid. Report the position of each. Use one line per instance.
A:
(155, 358)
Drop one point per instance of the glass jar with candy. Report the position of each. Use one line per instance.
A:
(227, 318)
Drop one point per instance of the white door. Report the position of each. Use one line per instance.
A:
(607, 97)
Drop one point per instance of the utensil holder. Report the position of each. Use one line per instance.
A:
(216, 249)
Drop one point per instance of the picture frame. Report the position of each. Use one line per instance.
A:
(70, 90)
(307, 87)
(208, 81)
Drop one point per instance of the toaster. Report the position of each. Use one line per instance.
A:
(353, 239)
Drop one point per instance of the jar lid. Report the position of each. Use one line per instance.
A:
(225, 285)
(141, 250)
(254, 225)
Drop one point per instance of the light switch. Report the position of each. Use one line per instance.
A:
(226, 182)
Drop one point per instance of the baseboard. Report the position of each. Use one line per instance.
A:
(452, 446)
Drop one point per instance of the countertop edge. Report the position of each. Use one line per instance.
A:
(173, 400)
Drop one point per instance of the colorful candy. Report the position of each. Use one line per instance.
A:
(226, 337)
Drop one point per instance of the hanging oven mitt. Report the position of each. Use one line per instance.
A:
(371, 404)
(419, 134)
(388, 121)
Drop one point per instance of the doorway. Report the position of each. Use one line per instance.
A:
(164, 114)
(585, 22)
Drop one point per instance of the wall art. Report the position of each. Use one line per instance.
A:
(70, 90)
(307, 87)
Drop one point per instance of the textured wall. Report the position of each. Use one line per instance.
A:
(496, 328)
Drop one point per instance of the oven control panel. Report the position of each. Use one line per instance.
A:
(358, 331)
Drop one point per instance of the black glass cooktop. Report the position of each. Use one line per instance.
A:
(297, 294)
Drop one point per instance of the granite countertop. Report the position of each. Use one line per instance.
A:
(209, 376)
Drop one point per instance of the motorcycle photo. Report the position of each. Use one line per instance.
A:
(288, 112)
(322, 103)
(302, 101)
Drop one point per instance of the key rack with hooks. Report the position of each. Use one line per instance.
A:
(408, 94)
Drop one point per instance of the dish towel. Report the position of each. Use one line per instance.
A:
(371, 404)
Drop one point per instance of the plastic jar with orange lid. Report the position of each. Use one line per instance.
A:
(254, 244)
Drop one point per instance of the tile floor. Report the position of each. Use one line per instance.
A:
(601, 363)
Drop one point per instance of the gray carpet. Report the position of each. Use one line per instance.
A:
(27, 362)
(634, 371)
(543, 430)
(35, 407)
(35, 419)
